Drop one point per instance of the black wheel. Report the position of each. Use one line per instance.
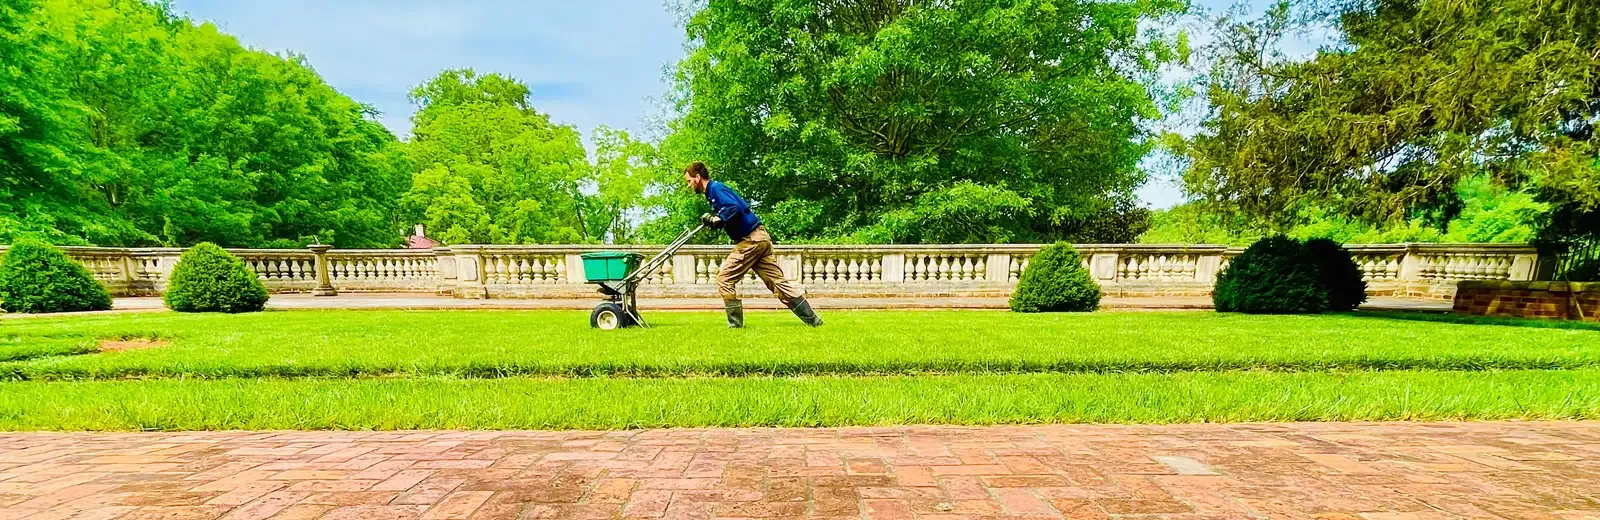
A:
(608, 316)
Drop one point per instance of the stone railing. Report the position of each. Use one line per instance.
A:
(545, 271)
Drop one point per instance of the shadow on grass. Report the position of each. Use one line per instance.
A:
(1463, 319)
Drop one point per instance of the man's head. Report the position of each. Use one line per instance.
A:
(697, 176)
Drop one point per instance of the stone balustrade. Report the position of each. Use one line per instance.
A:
(550, 271)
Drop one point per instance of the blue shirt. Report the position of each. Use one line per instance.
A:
(735, 213)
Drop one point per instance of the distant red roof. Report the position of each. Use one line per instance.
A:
(419, 242)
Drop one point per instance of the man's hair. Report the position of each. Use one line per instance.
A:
(698, 169)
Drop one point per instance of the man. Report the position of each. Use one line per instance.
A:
(752, 249)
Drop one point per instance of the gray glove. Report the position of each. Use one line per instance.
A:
(711, 221)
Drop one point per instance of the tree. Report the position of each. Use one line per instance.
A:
(149, 129)
(627, 174)
(41, 194)
(489, 168)
(870, 112)
(1417, 96)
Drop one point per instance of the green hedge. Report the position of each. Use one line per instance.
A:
(1340, 274)
(1275, 275)
(1279, 275)
(1055, 281)
(35, 277)
(208, 279)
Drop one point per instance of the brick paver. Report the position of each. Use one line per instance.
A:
(1308, 470)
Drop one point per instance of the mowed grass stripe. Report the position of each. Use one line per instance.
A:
(18, 348)
(490, 344)
(603, 403)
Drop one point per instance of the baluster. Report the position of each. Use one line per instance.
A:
(1482, 267)
(521, 272)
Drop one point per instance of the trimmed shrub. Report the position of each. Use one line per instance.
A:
(208, 279)
(1055, 281)
(35, 277)
(1275, 275)
(1340, 274)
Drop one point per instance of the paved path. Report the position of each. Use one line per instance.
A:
(415, 301)
(1309, 470)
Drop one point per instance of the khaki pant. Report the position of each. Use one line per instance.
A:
(754, 252)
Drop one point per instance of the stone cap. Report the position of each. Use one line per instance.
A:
(1558, 287)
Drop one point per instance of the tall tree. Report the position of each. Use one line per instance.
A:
(1416, 96)
(42, 194)
(170, 132)
(905, 120)
(490, 169)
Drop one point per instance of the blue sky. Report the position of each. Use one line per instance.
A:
(588, 62)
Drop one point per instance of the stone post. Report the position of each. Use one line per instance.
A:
(998, 267)
(1524, 267)
(324, 283)
(446, 270)
(575, 272)
(683, 268)
(894, 267)
(470, 282)
(1410, 264)
(789, 263)
(1206, 267)
(1103, 266)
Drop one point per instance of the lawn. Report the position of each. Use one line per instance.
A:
(547, 369)
(481, 344)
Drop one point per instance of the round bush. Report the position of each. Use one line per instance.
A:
(208, 279)
(1340, 274)
(1275, 275)
(1055, 281)
(35, 277)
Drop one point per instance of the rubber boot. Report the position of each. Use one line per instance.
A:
(802, 309)
(735, 310)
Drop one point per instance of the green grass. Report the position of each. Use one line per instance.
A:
(486, 344)
(548, 369)
(18, 348)
(608, 403)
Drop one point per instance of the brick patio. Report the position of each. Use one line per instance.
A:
(1309, 470)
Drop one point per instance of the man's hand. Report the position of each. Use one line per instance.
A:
(711, 221)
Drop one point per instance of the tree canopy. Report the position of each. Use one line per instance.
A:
(1414, 98)
(126, 124)
(975, 120)
(490, 169)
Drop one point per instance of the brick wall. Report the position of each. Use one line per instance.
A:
(1549, 300)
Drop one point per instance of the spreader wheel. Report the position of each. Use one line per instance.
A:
(608, 316)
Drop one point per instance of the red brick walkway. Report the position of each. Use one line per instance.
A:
(1328, 470)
